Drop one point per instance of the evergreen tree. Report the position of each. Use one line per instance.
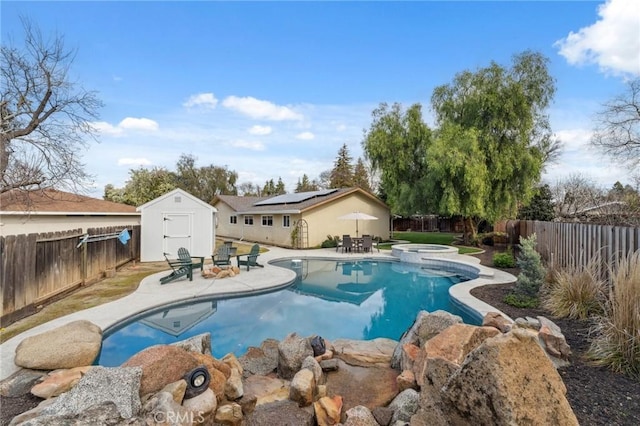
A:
(268, 189)
(305, 185)
(541, 206)
(279, 190)
(342, 172)
(531, 277)
(361, 176)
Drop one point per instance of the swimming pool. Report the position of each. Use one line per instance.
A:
(355, 299)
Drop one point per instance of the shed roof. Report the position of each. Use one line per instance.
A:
(247, 205)
(52, 201)
(173, 193)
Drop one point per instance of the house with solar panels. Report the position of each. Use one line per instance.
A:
(302, 219)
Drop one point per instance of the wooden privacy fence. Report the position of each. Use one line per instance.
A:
(563, 244)
(37, 267)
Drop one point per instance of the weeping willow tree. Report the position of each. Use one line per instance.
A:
(487, 152)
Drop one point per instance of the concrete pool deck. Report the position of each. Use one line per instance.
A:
(150, 294)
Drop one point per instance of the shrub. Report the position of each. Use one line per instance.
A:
(331, 241)
(532, 272)
(616, 343)
(531, 275)
(521, 300)
(575, 292)
(504, 260)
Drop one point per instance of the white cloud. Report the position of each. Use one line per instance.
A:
(574, 139)
(105, 128)
(131, 123)
(134, 162)
(205, 100)
(305, 136)
(613, 42)
(341, 127)
(252, 145)
(256, 108)
(260, 130)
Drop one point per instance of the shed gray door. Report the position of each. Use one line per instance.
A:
(177, 232)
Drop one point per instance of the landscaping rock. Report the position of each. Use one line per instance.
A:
(360, 416)
(328, 410)
(58, 382)
(233, 388)
(161, 365)
(311, 364)
(425, 326)
(229, 414)
(200, 343)
(101, 385)
(75, 344)
(265, 389)
(494, 319)
(280, 413)
(376, 352)
(303, 388)
(291, 352)
(553, 340)
(20, 382)
(404, 405)
(262, 360)
(508, 379)
(351, 381)
(202, 406)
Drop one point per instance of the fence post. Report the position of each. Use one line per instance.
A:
(84, 263)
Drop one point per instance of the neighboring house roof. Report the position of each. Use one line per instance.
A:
(289, 203)
(173, 193)
(54, 202)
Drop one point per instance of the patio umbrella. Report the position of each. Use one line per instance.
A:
(357, 216)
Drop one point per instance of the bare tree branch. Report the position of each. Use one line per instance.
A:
(44, 116)
(617, 131)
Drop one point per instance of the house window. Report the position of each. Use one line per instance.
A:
(248, 220)
(286, 221)
(267, 220)
(233, 220)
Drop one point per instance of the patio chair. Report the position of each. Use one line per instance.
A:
(222, 256)
(183, 254)
(251, 258)
(367, 243)
(179, 269)
(347, 243)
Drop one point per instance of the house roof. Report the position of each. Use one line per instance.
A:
(300, 203)
(51, 201)
(173, 193)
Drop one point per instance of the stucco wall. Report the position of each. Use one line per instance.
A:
(321, 221)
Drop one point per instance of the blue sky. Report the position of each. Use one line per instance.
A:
(273, 89)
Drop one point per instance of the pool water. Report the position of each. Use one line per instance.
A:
(362, 299)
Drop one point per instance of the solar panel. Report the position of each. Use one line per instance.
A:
(294, 198)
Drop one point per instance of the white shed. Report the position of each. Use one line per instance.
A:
(173, 220)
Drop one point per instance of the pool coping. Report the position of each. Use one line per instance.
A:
(151, 294)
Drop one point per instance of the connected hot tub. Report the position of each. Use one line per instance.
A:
(415, 253)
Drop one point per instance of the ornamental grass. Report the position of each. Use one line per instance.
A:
(616, 342)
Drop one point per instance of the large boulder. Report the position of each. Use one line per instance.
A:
(508, 379)
(425, 326)
(161, 365)
(75, 344)
(291, 352)
(101, 385)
